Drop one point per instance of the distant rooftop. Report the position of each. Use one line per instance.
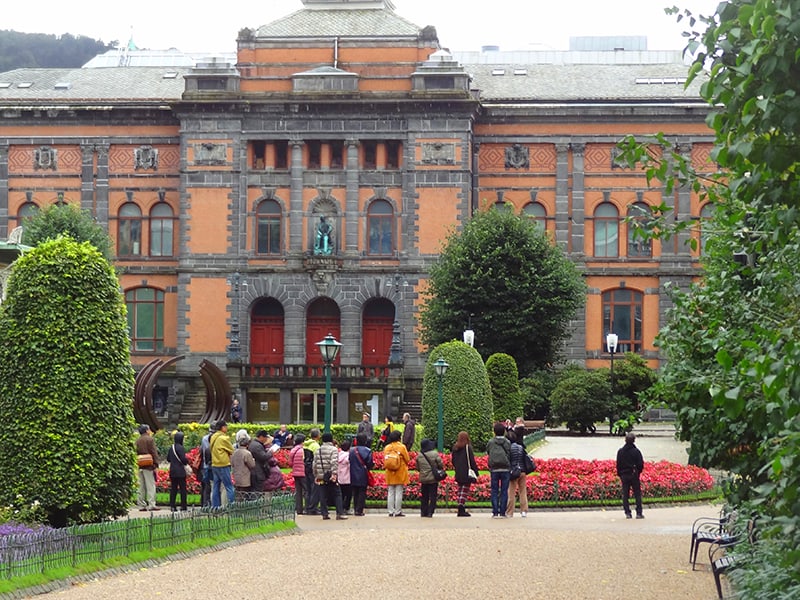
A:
(172, 57)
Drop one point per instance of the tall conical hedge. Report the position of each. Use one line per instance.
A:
(466, 395)
(66, 385)
(504, 380)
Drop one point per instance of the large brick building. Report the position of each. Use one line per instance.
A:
(305, 189)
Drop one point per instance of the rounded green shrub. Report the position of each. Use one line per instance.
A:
(66, 386)
(504, 381)
(466, 395)
(580, 399)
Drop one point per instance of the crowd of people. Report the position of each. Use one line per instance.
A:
(326, 474)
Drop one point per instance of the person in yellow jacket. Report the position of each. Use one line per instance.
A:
(221, 451)
(396, 478)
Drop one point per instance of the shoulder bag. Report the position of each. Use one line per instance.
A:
(471, 475)
(438, 474)
(370, 474)
(186, 467)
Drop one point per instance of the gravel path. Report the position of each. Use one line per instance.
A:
(570, 555)
(550, 555)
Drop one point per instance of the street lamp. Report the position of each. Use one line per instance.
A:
(440, 367)
(329, 348)
(611, 344)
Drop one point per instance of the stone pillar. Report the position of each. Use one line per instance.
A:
(4, 216)
(380, 156)
(577, 213)
(683, 205)
(296, 197)
(351, 201)
(94, 182)
(562, 194)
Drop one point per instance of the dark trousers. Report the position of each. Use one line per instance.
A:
(205, 487)
(359, 498)
(330, 493)
(312, 499)
(427, 503)
(347, 495)
(299, 493)
(499, 492)
(177, 484)
(629, 483)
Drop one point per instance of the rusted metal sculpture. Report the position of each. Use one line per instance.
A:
(145, 380)
(219, 397)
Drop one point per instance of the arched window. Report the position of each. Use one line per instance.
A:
(606, 230)
(268, 227)
(536, 212)
(705, 216)
(129, 230)
(26, 211)
(161, 224)
(639, 214)
(145, 319)
(380, 228)
(622, 314)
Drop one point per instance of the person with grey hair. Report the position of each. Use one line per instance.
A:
(242, 465)
(629, 466)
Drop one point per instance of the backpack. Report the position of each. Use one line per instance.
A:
(528, 464)
(308, 457)
(392, 460)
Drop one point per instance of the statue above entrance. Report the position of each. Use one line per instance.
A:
(323, 242)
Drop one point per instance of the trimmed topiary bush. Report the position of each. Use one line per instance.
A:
(580, 399)
(504, 381)
(466, 395)
(66, 386)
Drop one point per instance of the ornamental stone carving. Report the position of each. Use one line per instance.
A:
(145, 157)
(438, 153)
(518, 157)
(45, 157)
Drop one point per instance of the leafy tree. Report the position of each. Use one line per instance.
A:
(504, 381)
(466, 395)
(66, 219)
(66, 385)
(521, 288)
(733, 370)
(20, 50)
(536, 390)
(580, 399)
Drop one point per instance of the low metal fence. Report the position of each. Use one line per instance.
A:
(49, 549)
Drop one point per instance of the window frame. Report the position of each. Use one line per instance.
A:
(129, 231)
(269, 222)
(604, 237)
(628, 327)
(381, 223)
(138, 307)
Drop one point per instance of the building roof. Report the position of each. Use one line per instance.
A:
(358, 22)
(135, 84)
(585, 82)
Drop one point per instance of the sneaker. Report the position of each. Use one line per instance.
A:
(640, 516)
(400, 514)
(391, 514)
(326, 518)
(341, 518)
(523, 515)
(628, 516)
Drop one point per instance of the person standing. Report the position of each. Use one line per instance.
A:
(205, 475)
(630, 465)
(176, 456)
(310, 448)
(463, 461)
(326, 473)
(428, 460)
(242, 465)
(145, 444)
(258, 449)
(361, 462)
(518, 485)
(236, 411)
(396, 479)
(298, 467)
(221, 452)
(365, 427)
(344, 476)
(498, 451)
(409, 431)
(388, 427)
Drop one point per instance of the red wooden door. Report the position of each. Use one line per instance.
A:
(266, 341)
(316, 330)
(376, 341)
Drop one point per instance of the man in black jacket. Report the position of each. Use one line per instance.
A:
(629, 465)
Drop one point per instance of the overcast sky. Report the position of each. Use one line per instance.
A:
(461, 24)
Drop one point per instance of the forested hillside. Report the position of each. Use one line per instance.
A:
(46, 50)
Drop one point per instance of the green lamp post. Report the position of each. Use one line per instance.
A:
(440, 367)
(329, 349)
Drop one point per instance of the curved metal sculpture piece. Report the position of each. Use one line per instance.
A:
(146, 379)
(219, 397)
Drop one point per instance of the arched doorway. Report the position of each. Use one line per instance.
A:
(266, 332)
(323, 317)
(376, 332)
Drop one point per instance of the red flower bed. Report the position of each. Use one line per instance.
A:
(557, 479)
